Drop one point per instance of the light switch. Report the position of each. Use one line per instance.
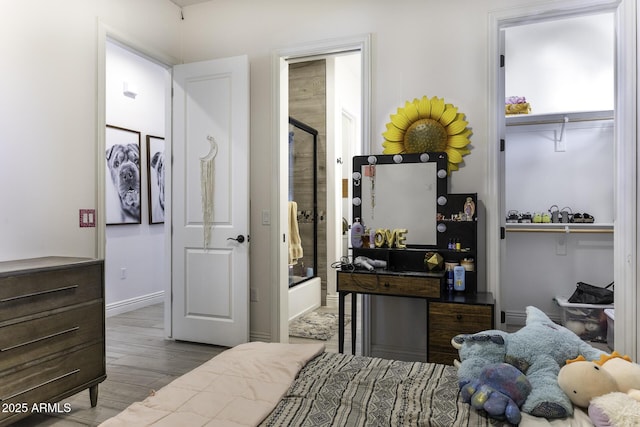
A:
(87, 217)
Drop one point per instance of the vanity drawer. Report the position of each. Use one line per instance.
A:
(25, 294)
(447, 320)
(31, 339)
(51, 379)
(399, 285)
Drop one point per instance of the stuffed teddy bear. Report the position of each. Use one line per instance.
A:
(539, 350)
(608, 387)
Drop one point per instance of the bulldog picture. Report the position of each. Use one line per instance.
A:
(157, 190)
(123, 163)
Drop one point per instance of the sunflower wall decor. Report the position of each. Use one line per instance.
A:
(428, 125)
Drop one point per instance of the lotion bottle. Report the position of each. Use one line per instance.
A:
(356, 234)
(458, 278)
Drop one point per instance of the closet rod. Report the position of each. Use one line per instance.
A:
(560, 230)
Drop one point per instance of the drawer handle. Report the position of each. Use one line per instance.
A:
(458, 316)
(386, 284)
(35, 294)
(40, 385)
(55, 334)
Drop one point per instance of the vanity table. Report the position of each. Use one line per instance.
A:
(408, 193)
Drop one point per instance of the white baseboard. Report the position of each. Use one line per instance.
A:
(259, 336)
(332, 301)
(119, 307)
(518, 318)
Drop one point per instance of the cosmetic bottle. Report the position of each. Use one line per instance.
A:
(356, 234)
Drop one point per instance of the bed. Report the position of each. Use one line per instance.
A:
(271, 384)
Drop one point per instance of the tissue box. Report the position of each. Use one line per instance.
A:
(588, 321)
(610, 328)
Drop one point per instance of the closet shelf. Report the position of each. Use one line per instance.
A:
(560, 228)
(540, 119)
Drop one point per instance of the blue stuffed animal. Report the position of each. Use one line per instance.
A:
(539, 350)
(500, 391)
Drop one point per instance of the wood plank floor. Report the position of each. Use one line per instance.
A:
(139, 360)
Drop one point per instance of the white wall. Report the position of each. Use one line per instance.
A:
(572, 61)
(137, 248)
(48, 113)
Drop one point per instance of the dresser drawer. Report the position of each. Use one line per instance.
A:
(31, 339)
(385, 284)
(25, 294)
(52, 378)
(447, 320)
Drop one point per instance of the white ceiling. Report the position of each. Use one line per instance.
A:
(183, 3)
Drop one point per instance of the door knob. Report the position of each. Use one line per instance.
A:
(238, 239)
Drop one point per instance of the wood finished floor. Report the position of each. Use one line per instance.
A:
(139, 360)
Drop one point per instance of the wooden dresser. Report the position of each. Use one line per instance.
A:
(52, 333)
(455, 315)
(448, 314)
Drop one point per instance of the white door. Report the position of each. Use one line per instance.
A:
(210, 301)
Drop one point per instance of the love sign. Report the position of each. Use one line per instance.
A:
(390, 238)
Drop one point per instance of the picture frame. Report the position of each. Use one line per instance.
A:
(155, 181)
(122, 176)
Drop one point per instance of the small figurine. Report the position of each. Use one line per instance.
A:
(469, 208)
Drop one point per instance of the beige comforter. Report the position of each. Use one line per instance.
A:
(239, 387)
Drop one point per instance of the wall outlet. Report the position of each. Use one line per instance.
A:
(254, 294)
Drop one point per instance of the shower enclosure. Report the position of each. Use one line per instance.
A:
(303, 190)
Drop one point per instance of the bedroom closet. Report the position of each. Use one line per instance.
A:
(559, 161)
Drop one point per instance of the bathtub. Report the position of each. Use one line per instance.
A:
(304, 297)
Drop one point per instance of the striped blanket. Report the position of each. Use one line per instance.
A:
(344, 390)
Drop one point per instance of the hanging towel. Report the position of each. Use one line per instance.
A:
(295, 244)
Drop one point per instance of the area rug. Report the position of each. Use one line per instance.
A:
(316, 325)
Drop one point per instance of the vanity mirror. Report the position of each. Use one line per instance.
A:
(401, 192)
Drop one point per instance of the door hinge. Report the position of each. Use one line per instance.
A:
(501, 61)
(503, 317)
(502, 233)
(501, 144)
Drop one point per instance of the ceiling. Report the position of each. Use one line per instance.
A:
(183, 3)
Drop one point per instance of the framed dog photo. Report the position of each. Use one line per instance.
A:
(155, 174)
(122, 187)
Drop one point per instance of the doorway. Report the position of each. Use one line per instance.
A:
(340, 125)
(558, 157)
(135, 98)
(625, 161)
